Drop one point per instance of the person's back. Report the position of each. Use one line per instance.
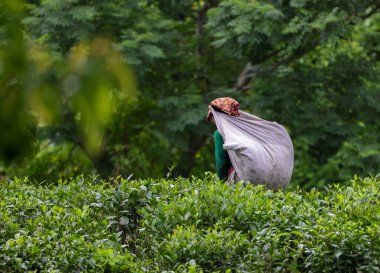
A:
(260, 152)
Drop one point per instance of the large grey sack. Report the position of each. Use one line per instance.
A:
(261, 151)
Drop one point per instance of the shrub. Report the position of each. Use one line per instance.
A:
(61, 228)
(53, 162)
(187, 225)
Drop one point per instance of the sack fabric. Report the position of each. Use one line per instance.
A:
(261, 151)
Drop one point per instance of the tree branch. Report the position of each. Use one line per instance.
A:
(251, 71)
(296, 55)
(186, 162)
(201, 19)
(246, 76)
(376, 9)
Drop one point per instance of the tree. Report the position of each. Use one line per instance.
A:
(310, 68)
(39, 88)
(295, 62)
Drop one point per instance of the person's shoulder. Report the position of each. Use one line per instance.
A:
(217, 135)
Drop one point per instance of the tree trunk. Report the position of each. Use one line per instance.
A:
(187, 160)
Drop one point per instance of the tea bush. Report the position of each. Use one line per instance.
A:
(187, 225)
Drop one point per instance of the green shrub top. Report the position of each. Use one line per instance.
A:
(187, 225)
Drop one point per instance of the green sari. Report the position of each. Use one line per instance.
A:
(222, 160)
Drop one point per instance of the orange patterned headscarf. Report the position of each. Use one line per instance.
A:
(226, 105)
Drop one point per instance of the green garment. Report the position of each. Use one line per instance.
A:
(223, 162)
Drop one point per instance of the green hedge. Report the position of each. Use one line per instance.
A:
(187, 225)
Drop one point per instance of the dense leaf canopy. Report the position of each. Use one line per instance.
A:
(312, 66)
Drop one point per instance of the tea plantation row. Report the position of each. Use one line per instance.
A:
(187, 225)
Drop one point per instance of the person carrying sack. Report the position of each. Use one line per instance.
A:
(248, 148)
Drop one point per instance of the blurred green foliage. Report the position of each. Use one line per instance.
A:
(15, 138)
(311, 65)
(52, 162)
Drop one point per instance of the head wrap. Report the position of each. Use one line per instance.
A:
(226, 105)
